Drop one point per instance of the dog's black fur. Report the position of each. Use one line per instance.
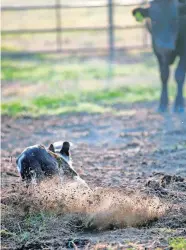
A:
(37, 162)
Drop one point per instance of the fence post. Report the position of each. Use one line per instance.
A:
(145, 32)
(111, 37)
(58, 26)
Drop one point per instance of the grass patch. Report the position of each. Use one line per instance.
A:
(38, 107)
(5, 233)
(85, 101)
(128, 94)
(25, 227)
(37, 85)
(13, 108)
(33, 69)
(8, 49)
(178, 243)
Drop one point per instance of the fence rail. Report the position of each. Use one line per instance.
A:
(59, 29)
(53, 30)
(63, 6)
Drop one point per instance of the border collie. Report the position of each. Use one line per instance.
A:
(37, 163)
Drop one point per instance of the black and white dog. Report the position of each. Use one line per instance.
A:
(37, 163)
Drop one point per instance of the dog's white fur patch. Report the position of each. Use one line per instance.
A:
(58, 145)
(20, 162)
(80, 181)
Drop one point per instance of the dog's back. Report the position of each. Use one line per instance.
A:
(36, 162)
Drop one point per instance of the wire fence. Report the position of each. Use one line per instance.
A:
(58, 30)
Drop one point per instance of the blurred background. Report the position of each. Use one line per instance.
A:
(61, 56)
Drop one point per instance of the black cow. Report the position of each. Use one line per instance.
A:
(167, 24)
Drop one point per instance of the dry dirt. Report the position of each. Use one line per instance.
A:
(135, 154)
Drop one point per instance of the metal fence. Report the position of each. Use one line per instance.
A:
(111, 28)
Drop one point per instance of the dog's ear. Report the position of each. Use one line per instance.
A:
(65, 150)
(51, 148)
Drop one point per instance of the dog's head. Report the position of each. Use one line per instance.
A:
(62, 149)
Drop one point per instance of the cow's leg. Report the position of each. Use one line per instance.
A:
(180, 78)
(164, 73)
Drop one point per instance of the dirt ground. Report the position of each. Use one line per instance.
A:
(136, 149)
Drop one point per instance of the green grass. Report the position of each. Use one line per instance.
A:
(32, 224)
(35, 86)
(32, 71)
(178, 243)
(6, 233)
(84, 101)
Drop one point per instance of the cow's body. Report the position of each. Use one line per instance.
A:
(168, 31)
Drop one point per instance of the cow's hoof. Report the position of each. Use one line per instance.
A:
(178, 109)
(163, 109)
